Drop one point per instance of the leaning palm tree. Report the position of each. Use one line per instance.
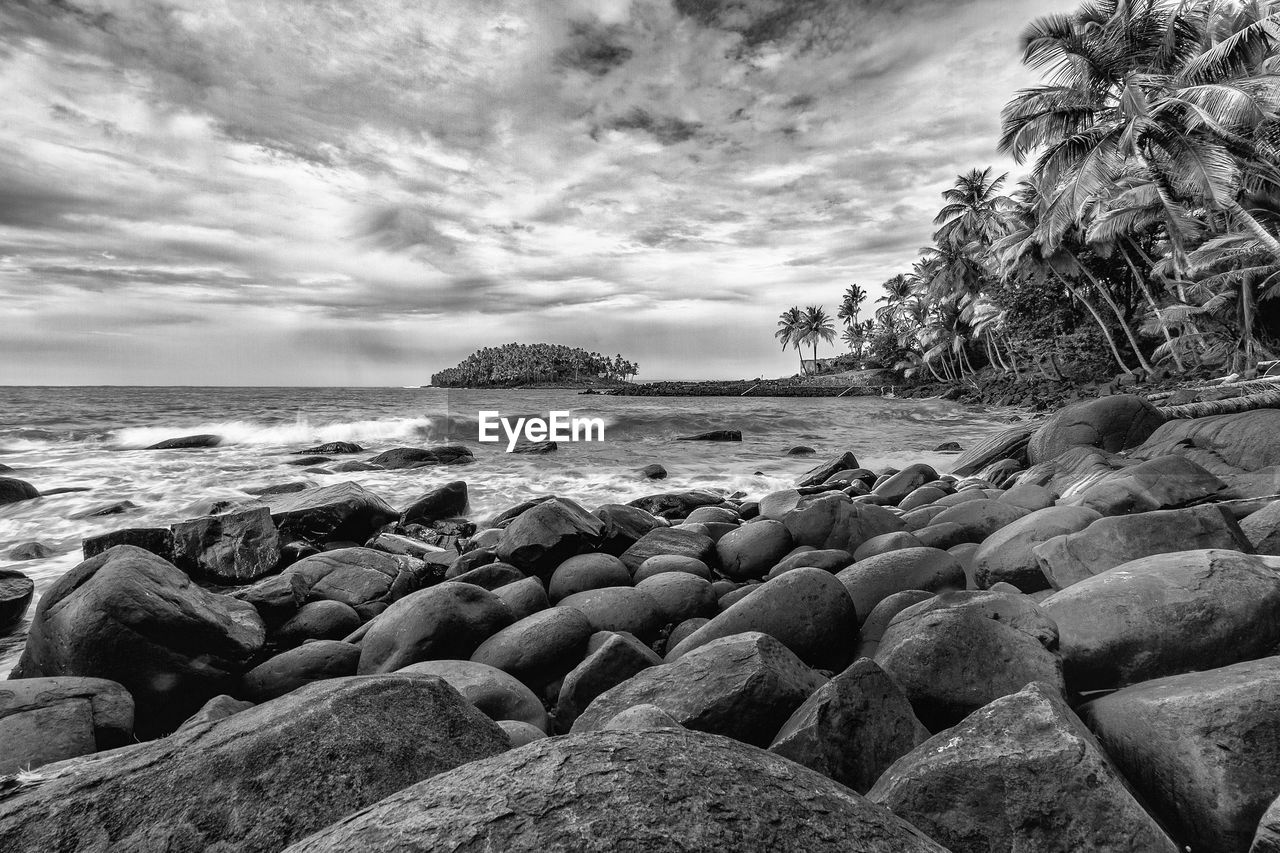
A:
(817, 325)
(851, 305)
(791, 330)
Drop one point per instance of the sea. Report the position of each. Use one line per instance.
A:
(94, 438)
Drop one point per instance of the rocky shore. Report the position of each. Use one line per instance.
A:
(1070, 641)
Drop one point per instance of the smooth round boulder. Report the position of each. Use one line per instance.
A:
(16, 592)
(922, 496)
(287, 671)
(13, 490)
(524, 597)
(490, 576)
(618, 608)
(584, 572)
(641, 717)
(837, 521)
(877, 621)
(660, 563)
(874, 579)
(1008, 555)
(897, 486)
(521, 733)
(830, 559)
(749, 551)
(1112, 423)
(544, 536)
(540, 648)
(706, 514)
(884, 543)
(685, 629)
(444, 622)
(980, 518)
(317, 620)
(496, 694)
(680, 595)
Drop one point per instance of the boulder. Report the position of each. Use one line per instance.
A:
(103, 510)
(713, 515)
(744, 687)
(1167, 614)
(30, 551)
(958, 651)
(749, 551)
(510, 514)
(490, 576)
(1009, 555)
(877, 621)
(612, 790)
(341, 512)
(1113, 423)
(641, 718)
(775, 505)
(852, 728)
(904, 482)
(664, 563)
(874, 579)
(420, 457)
(830, 559)
(676, 504)
(623, 526)
(496, 694)
(259, 779)
(1161, 483)
(546, 535)
(447, 501)
(921, 496)
(524, 597)
(52, 719)
(833, 520)
(1104, 544)
(1267, 838)
(587, 571)
(233, 547)
(187, 442)
(1007, 444)
(819, 473)
(669, 541)
(1030, 496)
(714, 435)
(807, 610)
(13, 490)
(884, 543)
(520, 733)
(1022, 773)
(317, 620)
(218, 708)
(679, 595)
(331, 448)
(298, 667)
(943, 536)
(980, 518)
(611, 659)
(618, 608)
(130, 617)
(1222, 444)
(362, 578)
(1262, 529)
(1203, 748)
(402, 546)
(157, 540)
(16, 592)
(653, 471)
(538, 649)
(444, 622)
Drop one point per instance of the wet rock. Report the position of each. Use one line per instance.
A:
(676, 504)
(277, 488)
(877, 621)
(130, 617)
(874, 579)
(16, 592)
(510, 514)
(1022, 773)
(663, 563)
(884, 543)
(523, 597)
(51, 719)
(30, 551)
(344, 743)
(1262, 529)
(287, 671)
(543, 537)
(714, 435)
(1203, 748)
(623, 526)
(361, 578)
(520, 733)
(618, 608)
(679, 595)
(640, 718)
(418, 457)
(494, 693)
(13, 490)
(713, 515)
(218, 708)
(1010, 554)
(157, 540)
(1161, 483)
(343, 511)
(1112, 423)
(948, 447)
(749, 551)
(587, 571)
(305, 461)
(731, 798)
(444, 622)
(830, 559)
(801, 450)
(611, 659)
(535, 448)
(403, 546)
(1008, 444)
(1267, 838)
(906, 481)
(980, 518)
(234, 547)
(852, 728)
(490, 576)
(538, 649)
(819, 473)
(332, 448)
(653, 471)
(447, 501)
(317, 620)
(187, 442)
(103, 510)
(958, 651)
(672, 542)
(1167, 614)
(835, 521)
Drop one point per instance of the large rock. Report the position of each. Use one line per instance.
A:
(1222, 444)
(671, 505)
(623, 526)
(157, 540)
(287, 671)
(1104, 544)
(343, 512)
(546, 535)
(834, 521)
(744, 687)
(233, 547)
(807, 610)
(258, 779)
(447, 501)
(852, 728)
(444, 622)
(16, 592)
(540, 648)
(980, 518)
(1203, 748)
(878, 620)
(362, 578)
(874, 579)
(51, 719)
(1111, 423)
(749, 551)
(420, 457)
(1161, 483)
(618, 608)
(524, 597)
(612, 659)
(958, 651)
(1167, 614)
(187, 442)
(1267, 838)
(498, 695)
(667, 541)
(128, 616)
(610, 791)
(1008, 444)
(1262, 529)
(906, 481)
(13, 490)
(819, 473)
(1009, 555)
(587, 571)
(317, 620)
(1022, 773)
(680, 595)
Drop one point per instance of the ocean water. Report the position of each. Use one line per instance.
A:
(94, 438)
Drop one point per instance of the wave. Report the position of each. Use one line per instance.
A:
(301, 432)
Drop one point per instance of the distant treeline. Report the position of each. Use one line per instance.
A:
(519, 364)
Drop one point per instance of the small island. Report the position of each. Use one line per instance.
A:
(521, 365)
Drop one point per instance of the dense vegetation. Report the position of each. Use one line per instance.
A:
(1144, 236)
(522, 364)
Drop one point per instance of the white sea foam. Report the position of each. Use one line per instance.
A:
(249, 433)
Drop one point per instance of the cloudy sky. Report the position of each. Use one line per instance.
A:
(359, 192)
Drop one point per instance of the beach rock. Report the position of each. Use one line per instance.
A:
(1030, 497)
(51, 719)
(1010, 554)
(1022, 773)
(308, 461)
(922, 496)
(714, 435)
(587, 571)
(343, 511)
(835, 521)
(641, 718)
(231, 548)
(287, 671)
(1222, 444)
(776, 505)
(807, 610)
(1267, 838)
(586, 792)
(218, 708)
(877, 621)
(612, 658)
(618, 608)
(744, 687)
(653, 471)
(663, 563)
(543, 537)
(103, 510)
(496, 694)
(403, 546)
(1113, 423)
(331, 448)
(623, 526)
(444, 622)
(187, 442)
(1008, 444)
(524, 597)
(870, 581)
(679, 595)
(852, 728)
(361, 578)
(16, 592)
(30, 551)
(510, 514)
(1167, 614)
(1262, 529)
(490, 576)
(980, 518)
(317, 620)
(520, 733)
(819, 473)
(1203, 748)
(942, 536)
(685, 629)
(157, 540)
(801, 450)
(13, 490)
(884, 543)
(535, 448)
(669, 542)
(830, 559)
(749, 551)
(538, 649)
(447, 501)
(735, 595)
(1109, 542)
(906, 481)
(676, 504)
(333, 747)
(1161, 483)
(713, 514)
(960, 650)
(417, 457)
(130, 617)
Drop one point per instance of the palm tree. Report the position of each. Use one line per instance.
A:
(816, 325)
(851, 305)
(974, 210)
(791, 330)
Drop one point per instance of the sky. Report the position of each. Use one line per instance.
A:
(361, 192)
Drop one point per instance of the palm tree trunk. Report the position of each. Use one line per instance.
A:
(932, 370)
(1246, 320)
(1106, 297)
(1106, 333)
(1151, 300)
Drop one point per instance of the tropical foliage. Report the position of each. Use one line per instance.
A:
(518, 364)
(797, 328)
